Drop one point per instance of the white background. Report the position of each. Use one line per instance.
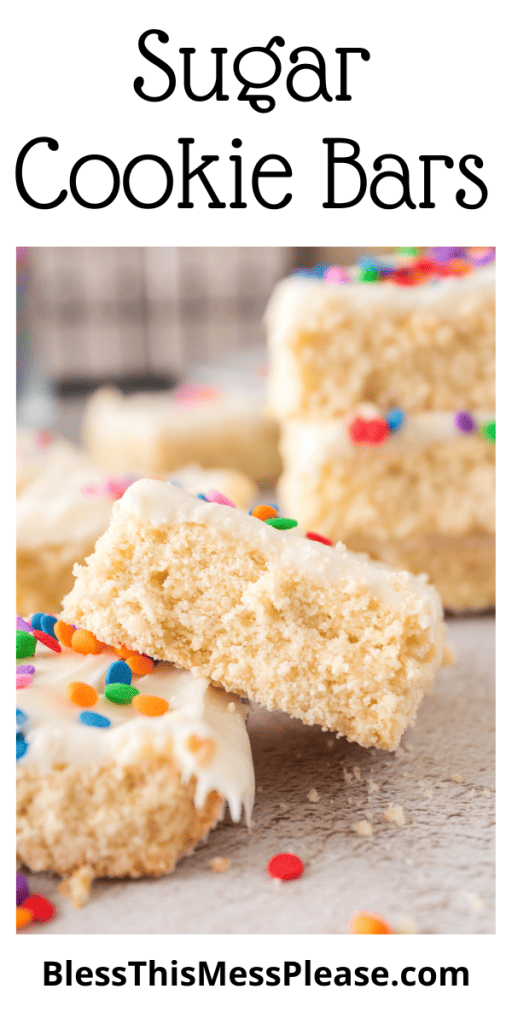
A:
(435, 84)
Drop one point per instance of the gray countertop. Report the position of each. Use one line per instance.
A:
(427, 866)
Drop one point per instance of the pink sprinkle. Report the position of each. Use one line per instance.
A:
(23, 681)
(336, 275)
(193, 394)
(115, 487)
(219, 499)
(89, 489)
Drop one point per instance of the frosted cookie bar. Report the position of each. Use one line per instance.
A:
(38, 451)
(420, 496)
(148, 434)
(419, 336)
(248, 602)
(60, 515)
(122, 767)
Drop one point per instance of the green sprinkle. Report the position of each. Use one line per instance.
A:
(282, 524)
(488, 431)
(407, 251)
(120, 693)
(25, 644)
(366, 274)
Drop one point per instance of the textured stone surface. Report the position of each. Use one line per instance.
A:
(432, 874)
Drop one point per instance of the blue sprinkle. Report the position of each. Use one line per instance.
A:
(21, 719)
(395, 418)
(302, 272)
(118, 672)
(202, 496)
(175, 483)
(21, 746)
(47, 624)
(91, 718)
(36, 621)
(320, 270)
(368, 263)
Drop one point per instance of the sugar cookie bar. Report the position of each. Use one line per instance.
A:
(147, 434)
(422, 497)
(317, 631)
(429, 346)
(60, 515)
(120, 774)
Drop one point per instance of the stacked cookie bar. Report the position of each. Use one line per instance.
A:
(382, 378)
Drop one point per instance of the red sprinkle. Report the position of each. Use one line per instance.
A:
(47, 640)
(363, 431)
(319, 538)
(41, 908)
(285, 866)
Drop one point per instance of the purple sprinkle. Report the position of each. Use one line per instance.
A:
(445, 253)
(25, 670)
(25, 626)
(464, 421)
(22, 889)
(483, 258)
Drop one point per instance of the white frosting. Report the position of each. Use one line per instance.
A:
(319, 442)
(55, 735)
(161, 503)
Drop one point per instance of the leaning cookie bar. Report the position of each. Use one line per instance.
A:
(316, 631)
(120, 774)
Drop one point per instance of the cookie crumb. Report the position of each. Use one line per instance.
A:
(363, 828)
(357, 771)
(471, 794)
(77, 887)
(449, 656)
(407, 926)
(313, 796)
(486, 792)
(429, 793)
(456, 777)
(231, 707)
(220, 864)
(475, 902)
(395, 814)
(373, 787)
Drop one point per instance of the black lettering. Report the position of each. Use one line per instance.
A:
(188, 977)
(83, 976)
(237, 976)
(168, 178)
(343, 51)
(404, 976)
(361, 975)
(423, 979)
(216, 89)
(256, 976)
(171, 77)
(427, 203)
(215, 203)
(263, 104)
(453, 972)
(116, 181)
(119, 973)
(153, 971)
(258, 173)
(320, 72)
(343, 977)
(219, 972)
(402, 177)
(137, 964)
(323, 976)
(291, 970)
(237, 160)
(461, 195)
(351, 161)
(53, 145)
(103, 976)
(52, 972)
(273, 974)
(380, 976)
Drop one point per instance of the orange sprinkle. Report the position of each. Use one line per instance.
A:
(264, 512)
(140, 664)
(23, 917)
(460, 267)
(124, 652)
(82, 694)
(149, 705)
(84, 642)
(362, 923)
(202, 746)
(63, 632)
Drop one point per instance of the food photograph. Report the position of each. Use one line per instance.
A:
(255, 558)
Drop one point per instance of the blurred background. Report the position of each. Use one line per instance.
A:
(140, 319)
